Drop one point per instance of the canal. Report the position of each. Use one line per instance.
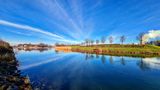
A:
(51, 70)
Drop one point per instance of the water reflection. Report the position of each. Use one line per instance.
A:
(77, 71)
(89, 56)
(143, 63)
(123, 61)
(39, 63)
(111, 60)
(103, 59)
(16, 50)
(148, 63)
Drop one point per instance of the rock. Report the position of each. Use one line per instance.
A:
(9, 88)
(10, 77)
(26, 81)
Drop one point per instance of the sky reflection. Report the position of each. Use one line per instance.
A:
(77, 71)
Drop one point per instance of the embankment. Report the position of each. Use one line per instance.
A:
(10, 77)
(119, 50)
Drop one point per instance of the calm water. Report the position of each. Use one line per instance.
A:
(49, 70)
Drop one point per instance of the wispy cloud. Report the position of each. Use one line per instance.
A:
(33, 29)
(26, 27)
(70, 20)
(73, 22)
(41, 63)
(20, 33)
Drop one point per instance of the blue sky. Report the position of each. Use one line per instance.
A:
(71, 21)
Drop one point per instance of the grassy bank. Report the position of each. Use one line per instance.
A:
(120, 50)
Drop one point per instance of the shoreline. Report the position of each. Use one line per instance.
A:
(10, 76)
(115, 50)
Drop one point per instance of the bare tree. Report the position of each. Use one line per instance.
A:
(89, 42)
(82, 43)
(103, 39)
(57, 44)
(140, 38)
(97, 42)
(110, 39)
(92, 42)
(86, 42)
(122, 39)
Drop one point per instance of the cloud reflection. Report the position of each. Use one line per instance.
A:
(41, 63)
(152, 63)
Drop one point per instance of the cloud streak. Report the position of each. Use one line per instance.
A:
(20, 33)
(33, 29)
(41, 63)
(29, 28)
(71, 22)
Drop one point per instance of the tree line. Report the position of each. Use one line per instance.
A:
(111, 39)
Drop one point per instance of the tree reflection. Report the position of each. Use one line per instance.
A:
(88, 56)
(123, 61)
(92, 56)
(103, 59)
(56, 51)
(97, 56)
(143, 65)
(111, 60)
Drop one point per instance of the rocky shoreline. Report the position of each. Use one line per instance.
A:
(10, 76)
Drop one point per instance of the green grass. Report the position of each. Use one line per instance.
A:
(116, 49)
(121, 47)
